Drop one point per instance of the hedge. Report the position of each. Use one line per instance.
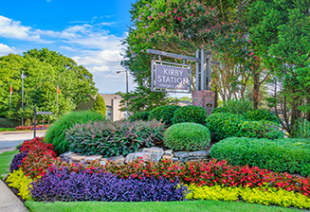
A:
(163, 113)
(282, 155)
(223, 125)
(190, 113)
(261, 114)
(260, 129)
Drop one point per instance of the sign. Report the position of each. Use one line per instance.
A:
(171, 76)
(44, 113)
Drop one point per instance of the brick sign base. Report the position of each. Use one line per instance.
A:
(204, 98)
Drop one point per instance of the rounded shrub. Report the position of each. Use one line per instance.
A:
(223, 125)
(56, 133)
(260, 129)
(190, 113)
(99, 105)
(140, 116)
(261, 114)
(164, 113)
(187, 136)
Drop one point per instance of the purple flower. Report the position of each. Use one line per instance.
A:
(17, 160)
(63, 185)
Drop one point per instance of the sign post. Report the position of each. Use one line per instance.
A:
(174, 77)
(35, 113)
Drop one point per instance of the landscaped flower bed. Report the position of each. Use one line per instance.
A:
(43, 177)
(38, 127)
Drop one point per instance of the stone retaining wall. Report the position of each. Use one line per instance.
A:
(153, 154)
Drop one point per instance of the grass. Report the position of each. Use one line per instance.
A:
(7, 129)
(5, 162)
(186, 206)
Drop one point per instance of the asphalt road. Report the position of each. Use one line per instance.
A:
(10, 140)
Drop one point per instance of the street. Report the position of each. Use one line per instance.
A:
(10, 140)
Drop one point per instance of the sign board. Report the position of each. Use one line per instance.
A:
(44, 113)
(171, 77)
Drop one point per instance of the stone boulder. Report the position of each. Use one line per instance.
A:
(153, 154)
(187, 156)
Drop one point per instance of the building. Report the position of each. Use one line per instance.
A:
(113, 104)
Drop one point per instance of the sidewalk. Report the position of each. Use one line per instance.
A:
(8, 201)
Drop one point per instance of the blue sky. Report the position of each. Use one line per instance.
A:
(89, 31)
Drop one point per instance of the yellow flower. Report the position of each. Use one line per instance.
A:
(21, 182)
(262, 195)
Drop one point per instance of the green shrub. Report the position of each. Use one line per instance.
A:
(114, 138)
(301, 129)
(190, 113)
(7, 123)
(219, 110)
(163, 113)
(282, 155)
(187, 136)
(223, 125)
(261, 114)
(237, 106)
(260, 129)
(56, 133)
(99, 105)
(143, 116)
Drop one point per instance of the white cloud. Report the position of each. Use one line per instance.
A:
(5, 50)
(107, 23)
(89, 45)
(14, 29)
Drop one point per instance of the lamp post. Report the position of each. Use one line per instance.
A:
(126, 71)
(23, 76)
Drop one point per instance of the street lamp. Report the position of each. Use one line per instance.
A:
(126, 71)
(23, 77)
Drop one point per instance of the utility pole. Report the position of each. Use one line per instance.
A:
(127, 91)
(34, 122)
(127, 112)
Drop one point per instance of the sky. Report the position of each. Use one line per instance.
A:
(89, 31)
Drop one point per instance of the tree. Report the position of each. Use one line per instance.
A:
(99, 105)
(44, 71)
(280, 32)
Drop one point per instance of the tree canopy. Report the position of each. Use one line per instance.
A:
(44, 70)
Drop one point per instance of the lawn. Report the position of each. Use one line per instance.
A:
(5, 161)
(190, 206)
(7, 129)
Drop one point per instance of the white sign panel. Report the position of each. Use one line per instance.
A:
(175, 77)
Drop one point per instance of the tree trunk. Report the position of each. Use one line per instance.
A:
(308, 113)
(295, 115)
(216, 97)
(256, 88)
